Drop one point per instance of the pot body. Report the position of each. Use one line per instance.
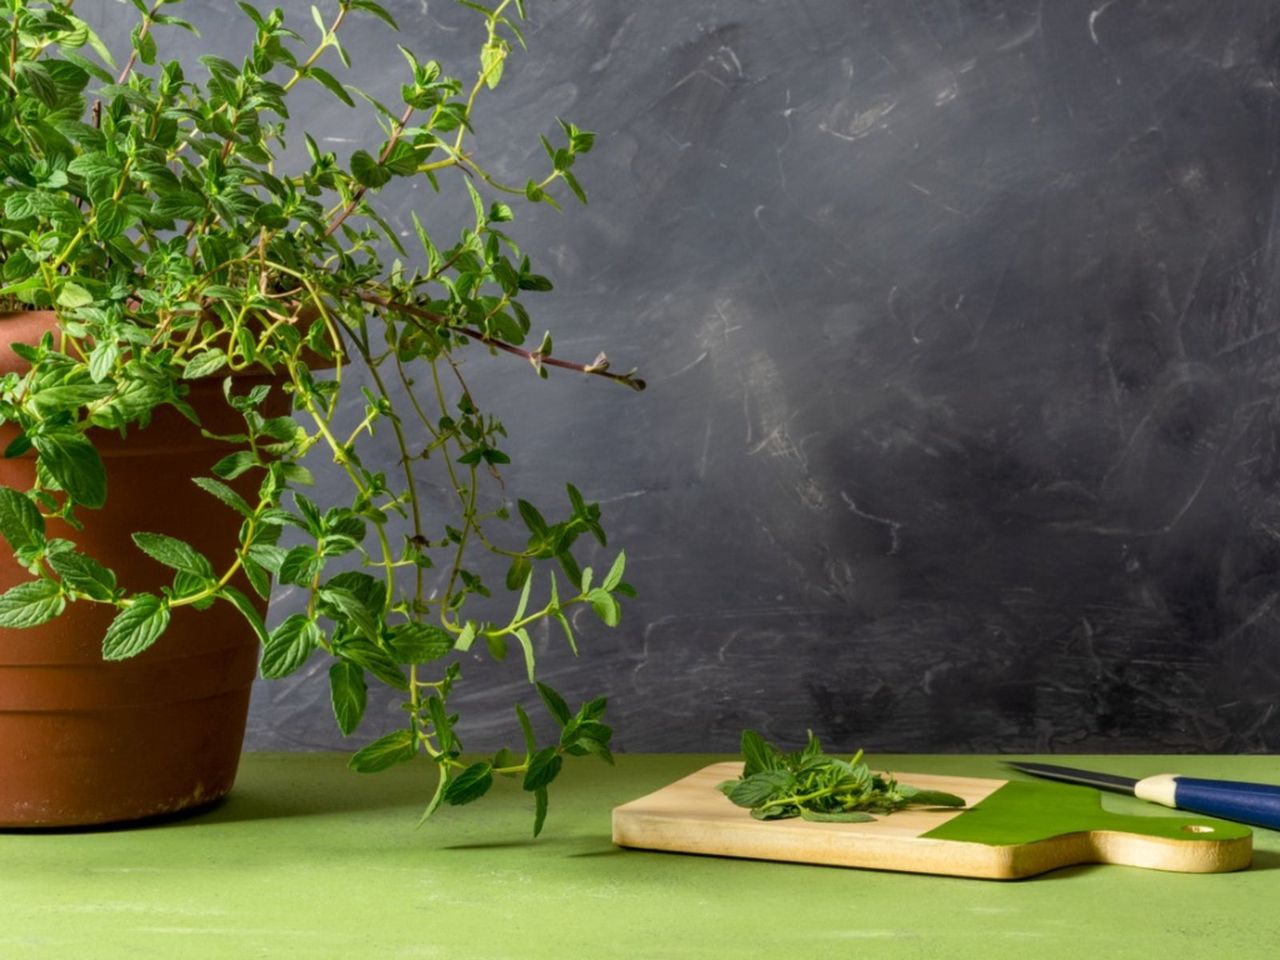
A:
(85, 741)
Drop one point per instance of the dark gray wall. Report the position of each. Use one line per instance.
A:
(960, 324)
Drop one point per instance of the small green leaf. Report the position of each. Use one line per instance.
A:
(30, 604)
(526, 645)
(224, 493)
(384, 752)
(174, 553)
(73, 295)
(20, 521)
(471, 784)
(38, 80)
(102, 359)
(376, 661)
(544, 766)
(330, 83)
(377, 10)
(135, 628)
(349, 694)
(299, 566)
(520, 572)
(353, 608)
(204, 364)
(835, 816)
(83, 574)
(758, 755)
(467, 637)
(606, 606)
(554, 703)
(234, 464)
(934, 798)
(288, 646)
(539, 809)
(758, 788)
(419, 642)
(367, 171)
(614, 576)
(74, 463)
(247, 610)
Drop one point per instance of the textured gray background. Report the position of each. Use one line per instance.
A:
(960, 324)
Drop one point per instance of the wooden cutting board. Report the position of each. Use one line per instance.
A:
(1010, 829)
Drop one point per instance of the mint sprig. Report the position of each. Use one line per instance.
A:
(815, 786)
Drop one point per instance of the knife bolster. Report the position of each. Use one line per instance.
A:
(1162, 789)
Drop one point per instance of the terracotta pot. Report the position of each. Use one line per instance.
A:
(83, 741)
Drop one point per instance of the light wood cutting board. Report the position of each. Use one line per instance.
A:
(1009, 830)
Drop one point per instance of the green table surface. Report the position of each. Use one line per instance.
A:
(307, 859)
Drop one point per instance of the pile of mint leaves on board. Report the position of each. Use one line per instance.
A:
(816, 786)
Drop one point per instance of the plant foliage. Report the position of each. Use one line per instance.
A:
(152, 205)
(816, 786)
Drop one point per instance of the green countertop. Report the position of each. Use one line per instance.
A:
(306, 859)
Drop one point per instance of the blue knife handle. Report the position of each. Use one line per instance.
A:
(1256, 803)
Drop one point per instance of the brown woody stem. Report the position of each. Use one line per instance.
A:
(437, 320)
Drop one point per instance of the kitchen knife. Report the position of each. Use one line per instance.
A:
(1255, 803)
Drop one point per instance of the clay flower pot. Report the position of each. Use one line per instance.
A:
(83, 741)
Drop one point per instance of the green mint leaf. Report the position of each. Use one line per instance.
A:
(94, 163)
(349, 694)
(74, 464)
(384, 752)
(526, 645)
(532, 518)
(543, 768)
(471, 784)
(934, 798)
(300, 565)
(377, 661)
(759, 788)
(72, 295)
(174, 553)
(554, 703)
(36, 78)
(30, 604)
(835, 816)
(539, 810)
(369, 6)
(234, 464)
(204, 364)
(102, 360)
(20, 521)
(288, 646)
(367, 171)
(614, 576)
(83, 574)
(224, 493)
(531, 744)
(247, 610)
(353, 608)
(419, 642)
(606, 606)
(330, 83)
(135, 628)
(758, 755)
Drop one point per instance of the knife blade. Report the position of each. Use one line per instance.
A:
(1253, 803)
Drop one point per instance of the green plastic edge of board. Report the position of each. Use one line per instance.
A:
(1027, 812)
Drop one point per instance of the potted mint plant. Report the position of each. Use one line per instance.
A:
(185, 314)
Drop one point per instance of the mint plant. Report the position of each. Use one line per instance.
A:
(813, 785)
(146, 203)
